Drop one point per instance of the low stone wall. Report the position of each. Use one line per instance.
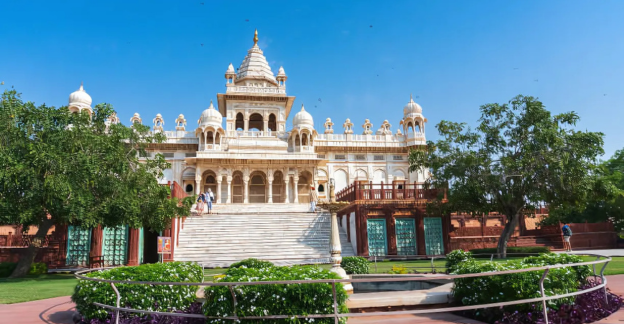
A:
(470, 243)
(48, 255)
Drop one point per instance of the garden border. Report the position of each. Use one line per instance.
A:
(600, 259)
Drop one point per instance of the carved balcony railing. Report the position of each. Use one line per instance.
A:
(390, 191)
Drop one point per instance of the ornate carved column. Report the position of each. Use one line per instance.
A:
(286, 183)
(246, 190)
(295, 189)
(198, 179)
(270, 181)
(217, 194)
(246, 123)
(229, 190)
(266, 124)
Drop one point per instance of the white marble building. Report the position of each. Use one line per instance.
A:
(253, 158)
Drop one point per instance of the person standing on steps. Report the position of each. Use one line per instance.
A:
(313, 199)
(567, 233)
(200, 203)
(209, 200)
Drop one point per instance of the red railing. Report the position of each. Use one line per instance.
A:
(388, 191)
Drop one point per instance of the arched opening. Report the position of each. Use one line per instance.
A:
(341, 180)
(210, 138)
(417, 128)
(217, 138)
(410, 127)
(272, 123)
(210, 182)
(379, 176)
(297, 141)
(303, 187)
(278, 187)
(237, 188)
(189, 188)
(304, 139)
(240, 122)
(256, 122)
(257, 188)
(321, 188)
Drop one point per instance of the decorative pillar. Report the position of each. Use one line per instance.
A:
(246, 123)
(286, 186)
(246, 190)
(334, 243)
(218, 193)
(266, 125)
(197, 182)
(205, 141)
(133, 246)
(270, 195)
(229, 190)
(296, 189)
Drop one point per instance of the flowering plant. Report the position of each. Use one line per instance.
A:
(143, 297)
(355, 265)
(289, 299)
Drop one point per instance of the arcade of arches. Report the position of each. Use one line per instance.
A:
(254, 186)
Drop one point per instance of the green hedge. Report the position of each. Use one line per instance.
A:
(252, 263)
(501, 288)
(6, 268)
(523, 250)
(144, 297)
(261, 300)
(355, 265)
(455, 258)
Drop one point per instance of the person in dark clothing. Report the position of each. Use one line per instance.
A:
(567, 233)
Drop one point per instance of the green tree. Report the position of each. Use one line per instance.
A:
(607, 204)
(57, 167)
(518, 157)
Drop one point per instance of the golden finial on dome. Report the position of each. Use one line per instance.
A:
(256, 37)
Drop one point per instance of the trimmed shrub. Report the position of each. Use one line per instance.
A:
(511, 287)
(290, 299)
(522, 250)
(252, 263)
(144, 297)
(355, 265)
(38, 268)
(455, 258)
(6, 268)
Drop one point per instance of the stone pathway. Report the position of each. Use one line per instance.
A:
(57, 310)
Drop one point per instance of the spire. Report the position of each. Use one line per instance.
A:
(255, 39)
(302, 109)
(81, 86)
(411, 98)
(211, 106)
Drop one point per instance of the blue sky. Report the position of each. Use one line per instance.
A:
(147, 57)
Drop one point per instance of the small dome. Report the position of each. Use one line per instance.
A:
(158, 116)
(211, 117)
(80, 98)
(281, 72)
(303, 118)
(412, 108)
(230, 69)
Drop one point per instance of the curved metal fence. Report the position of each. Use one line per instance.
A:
(600, 259)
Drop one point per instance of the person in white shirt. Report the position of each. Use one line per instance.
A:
(209, 200)
(313, 199)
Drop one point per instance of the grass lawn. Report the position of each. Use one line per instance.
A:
(36, 287)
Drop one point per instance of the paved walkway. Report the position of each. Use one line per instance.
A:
(57, 310)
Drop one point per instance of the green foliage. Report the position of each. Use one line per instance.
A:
(398, 269)
(501, 288)
(251, 263)
(455, 258)
(144, 297)
(38, 268)
(518, 156)
(355, 265)
(520, 251)
(291, 299)
(78, 170)
(6, 268)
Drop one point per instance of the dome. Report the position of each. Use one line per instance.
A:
(211, 117)
(303, 118)
(412, 108)
(281, 72)
(230, 69)
(80, 98)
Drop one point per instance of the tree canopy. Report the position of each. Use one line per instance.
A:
(518, 157)
(58, 167)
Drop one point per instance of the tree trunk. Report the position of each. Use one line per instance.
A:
(501, 249)
(27, 259)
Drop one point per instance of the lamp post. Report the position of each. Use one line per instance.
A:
(335, 247)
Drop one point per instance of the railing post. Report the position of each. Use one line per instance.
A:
(118, 303)
(432, 268)
(233, 301)
(545, 310)
(604, 281)
(335, 303)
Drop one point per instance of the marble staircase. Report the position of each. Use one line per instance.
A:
(280, 233)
